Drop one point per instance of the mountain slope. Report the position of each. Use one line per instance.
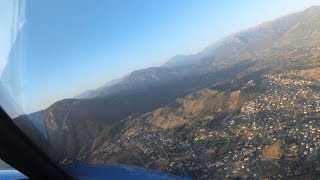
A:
(253, 39)
(259, 125)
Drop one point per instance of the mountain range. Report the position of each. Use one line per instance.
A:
(186, 92)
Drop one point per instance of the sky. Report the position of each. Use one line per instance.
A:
(72, 46)
(5, 30)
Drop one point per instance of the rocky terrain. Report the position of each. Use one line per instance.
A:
(247, 106)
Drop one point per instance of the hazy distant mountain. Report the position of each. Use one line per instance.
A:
(185, 87)
(96, 92)
(236, 47)
(239, 46)
(185, 60)
(253, 39)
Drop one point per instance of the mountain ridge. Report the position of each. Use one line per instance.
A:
(232, 45)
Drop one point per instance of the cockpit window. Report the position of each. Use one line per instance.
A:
(199, 89)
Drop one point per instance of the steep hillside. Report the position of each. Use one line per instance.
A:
(199, 104)
(204, 106)
(71, 125)
(297, 47)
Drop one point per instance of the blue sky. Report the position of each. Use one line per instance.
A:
(76, 45)
(5, 30)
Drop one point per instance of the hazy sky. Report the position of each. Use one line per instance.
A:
(77, 45)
